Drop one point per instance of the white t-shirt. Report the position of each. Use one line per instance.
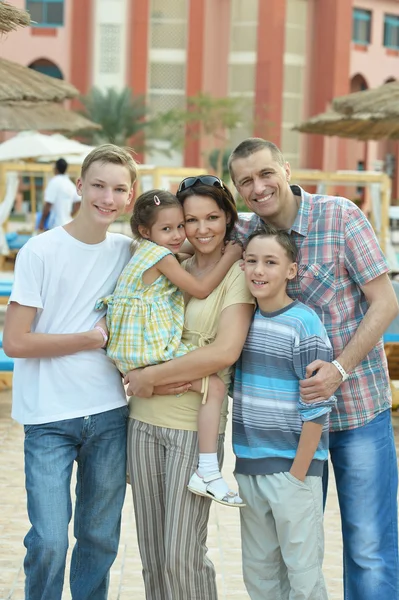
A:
(63, 278)
(61, 193)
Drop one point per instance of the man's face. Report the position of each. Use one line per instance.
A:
(263, 183)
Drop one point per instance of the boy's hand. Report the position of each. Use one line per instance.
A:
(138, 384)
(323, 384)
(233, 250)
(297, 474)
(103, 324)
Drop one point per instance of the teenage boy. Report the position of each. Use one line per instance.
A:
(343, 276)
(68, 395)
(280, 442)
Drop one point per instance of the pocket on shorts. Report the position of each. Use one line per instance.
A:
(295, 481)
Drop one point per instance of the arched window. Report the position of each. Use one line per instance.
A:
(45, 66)
(358, 83)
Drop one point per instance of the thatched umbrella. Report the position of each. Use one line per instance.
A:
(361, 126)
(44, 116)
(18, 82)
(384, 98)
(11, 18)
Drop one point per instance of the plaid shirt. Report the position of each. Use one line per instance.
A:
(337, 254)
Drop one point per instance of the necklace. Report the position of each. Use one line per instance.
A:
(206, 269)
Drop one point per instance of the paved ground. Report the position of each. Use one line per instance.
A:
(223, 540)
(126, 584)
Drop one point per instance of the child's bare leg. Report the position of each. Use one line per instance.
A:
(208, 433)
(209, 414)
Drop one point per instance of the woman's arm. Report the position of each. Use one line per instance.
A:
(223, 352)
(195, 286)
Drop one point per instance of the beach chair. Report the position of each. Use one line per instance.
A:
(5, 291)
(391, 346)
(6, 368)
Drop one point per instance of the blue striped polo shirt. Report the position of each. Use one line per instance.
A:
(268, 412)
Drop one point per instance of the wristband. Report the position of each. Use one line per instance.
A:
(341, 369)
(105, 337)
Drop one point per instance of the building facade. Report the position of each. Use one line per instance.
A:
(287, 58)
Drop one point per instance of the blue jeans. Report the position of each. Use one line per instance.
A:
(98, 444)
(365, 468)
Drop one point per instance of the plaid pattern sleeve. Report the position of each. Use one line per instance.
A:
(364, 259)
(247, 223)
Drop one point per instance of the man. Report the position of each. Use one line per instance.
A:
(61, 201)
(343, 276)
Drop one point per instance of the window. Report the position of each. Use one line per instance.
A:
(391, 31)
(361, 33)
(46, 13)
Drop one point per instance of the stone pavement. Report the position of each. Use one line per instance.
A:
(126, 583)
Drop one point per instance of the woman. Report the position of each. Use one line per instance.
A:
(162, 438)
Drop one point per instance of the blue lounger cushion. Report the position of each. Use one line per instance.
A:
(390, 337)
(15, 240)
(5, 288)
(6, 363)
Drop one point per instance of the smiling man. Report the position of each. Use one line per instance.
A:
(343, 276)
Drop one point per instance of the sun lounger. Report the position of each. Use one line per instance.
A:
(6, 368)
(5, 291)
(16, 240)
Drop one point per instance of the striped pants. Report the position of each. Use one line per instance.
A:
(171, 521)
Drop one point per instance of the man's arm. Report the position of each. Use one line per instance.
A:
(20, 342)
(308, 442)
(383, 308)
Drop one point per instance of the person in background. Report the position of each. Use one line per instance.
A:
(61, 200)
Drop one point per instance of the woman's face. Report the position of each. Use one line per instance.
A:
(205, 223)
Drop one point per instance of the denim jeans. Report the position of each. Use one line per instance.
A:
(98, 444)
(365, 468)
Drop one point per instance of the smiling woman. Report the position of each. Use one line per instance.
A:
(165, 430)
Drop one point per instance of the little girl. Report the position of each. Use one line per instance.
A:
(145, 314)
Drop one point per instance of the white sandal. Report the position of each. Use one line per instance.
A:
(199, 485)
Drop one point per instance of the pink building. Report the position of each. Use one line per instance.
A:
(288, 58)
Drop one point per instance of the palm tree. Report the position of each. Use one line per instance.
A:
(120, 115)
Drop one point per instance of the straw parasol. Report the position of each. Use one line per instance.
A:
(383, 99)
(18, 82)
(361, 126)
(11, 18)
(46, 116)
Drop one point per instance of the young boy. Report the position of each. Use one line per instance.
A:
(280, 442)
(68, 395)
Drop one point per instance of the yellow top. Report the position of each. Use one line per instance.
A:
(200, 328)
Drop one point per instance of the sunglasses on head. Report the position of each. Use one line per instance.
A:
(189, 182)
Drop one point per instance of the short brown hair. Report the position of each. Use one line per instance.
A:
(252, 145)
(146, 208)
(221, 195)
(281, 236)
(109, 153)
